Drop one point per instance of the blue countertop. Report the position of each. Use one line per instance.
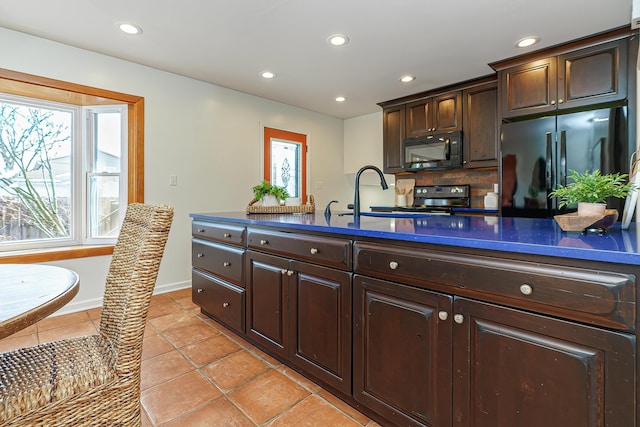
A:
(520, 235)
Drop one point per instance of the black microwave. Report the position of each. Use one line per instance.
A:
(443, 151)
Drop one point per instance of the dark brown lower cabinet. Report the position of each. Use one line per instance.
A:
(302, 312)
(402, 352)
(513, 368)
(423, 358)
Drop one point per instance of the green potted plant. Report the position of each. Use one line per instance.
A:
(590, 191)
(268, 194)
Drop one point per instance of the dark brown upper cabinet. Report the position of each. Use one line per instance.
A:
(588, 76)
(480, 137)
(393, 128)
(437, 114)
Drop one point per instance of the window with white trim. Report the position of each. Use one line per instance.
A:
(63, 175)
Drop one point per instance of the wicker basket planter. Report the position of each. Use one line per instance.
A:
(255, 208)
(575, 222)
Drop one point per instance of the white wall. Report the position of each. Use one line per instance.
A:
(363, 146)
(207, 135)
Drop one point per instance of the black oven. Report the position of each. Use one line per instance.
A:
(443, 151)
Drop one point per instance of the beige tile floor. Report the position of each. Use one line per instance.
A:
(197, 373)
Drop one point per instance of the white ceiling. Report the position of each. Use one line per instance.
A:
(229, 42)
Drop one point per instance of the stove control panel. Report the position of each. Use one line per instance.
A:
(441, 191)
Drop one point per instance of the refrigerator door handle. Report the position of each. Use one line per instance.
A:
(563, 157)
(548, 163)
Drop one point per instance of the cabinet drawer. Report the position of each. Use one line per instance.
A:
(225, 233)
(224, 261)
(221, 300)
(591, 296)
(320, 250)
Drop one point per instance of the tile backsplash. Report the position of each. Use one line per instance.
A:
(480, 180)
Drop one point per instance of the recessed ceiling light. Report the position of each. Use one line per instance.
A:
(340, 99)
(130, 28)
(527, 41)
(407, 78)
(268, 74)
(338, 40)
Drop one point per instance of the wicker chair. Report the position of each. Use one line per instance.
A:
(93, 380)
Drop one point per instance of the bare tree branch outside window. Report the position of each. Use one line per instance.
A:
(32, 140)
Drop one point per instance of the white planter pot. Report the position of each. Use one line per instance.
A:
(591, 209)
(269, 200)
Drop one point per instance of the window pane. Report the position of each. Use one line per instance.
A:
(35, 173)
(104, 203)
(285, 166)
(108, 141)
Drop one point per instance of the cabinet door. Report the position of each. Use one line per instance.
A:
(480, 136)
(419, 118)
(393, 127)
(267, 321)
(529, 88)
(321, 323)
(447, 112)
(593, 75)
(402, 352)
(513, 368)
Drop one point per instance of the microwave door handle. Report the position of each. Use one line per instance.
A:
(563, 158)
(447, 147)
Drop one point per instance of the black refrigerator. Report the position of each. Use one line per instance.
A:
(538, 154)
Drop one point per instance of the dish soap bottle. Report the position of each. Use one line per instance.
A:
(491, 198)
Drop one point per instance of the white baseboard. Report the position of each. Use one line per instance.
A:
(75, 306)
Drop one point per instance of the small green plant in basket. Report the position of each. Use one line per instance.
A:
(592, 187)
(265, 188)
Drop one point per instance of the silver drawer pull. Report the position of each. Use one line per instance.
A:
(393, 265)
(314, 251)
(226, 264)
(459, 319)
(263, 242)
(290, 273)
(200, 230)
(225, 304)
(227, 235)
(443, 315)
(200, 290)
(283, 271)
(200, 255)
(526, 289)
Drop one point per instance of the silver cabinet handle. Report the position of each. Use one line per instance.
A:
(459, 319)
(560, 101)
(393, 265)
(290, 273)
(553, 102)
(443, 315)
(283, 271)
(200, 290)
(200, 255)
(314, 251)
(226, 264)
(225, 304)
(526, 289)
(263, 242)
(200, 230)
(227, 235)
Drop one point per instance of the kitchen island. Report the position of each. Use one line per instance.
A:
(434, 320)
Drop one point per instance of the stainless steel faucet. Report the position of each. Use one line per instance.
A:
(356, 197)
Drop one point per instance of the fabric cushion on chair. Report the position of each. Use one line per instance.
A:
(94, 380)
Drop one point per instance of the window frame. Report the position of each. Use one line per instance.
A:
(30, 85)
(270, 133)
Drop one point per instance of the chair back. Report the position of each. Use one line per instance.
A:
(131, 279)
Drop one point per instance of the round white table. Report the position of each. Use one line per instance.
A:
(31, 292)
